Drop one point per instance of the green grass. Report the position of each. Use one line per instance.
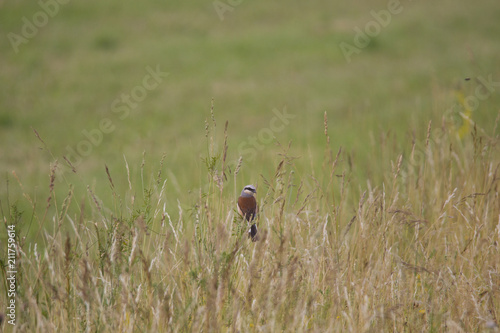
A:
(144, 233)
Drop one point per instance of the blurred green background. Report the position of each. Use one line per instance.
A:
(254, 57)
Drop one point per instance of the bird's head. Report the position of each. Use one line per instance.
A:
(248, 190)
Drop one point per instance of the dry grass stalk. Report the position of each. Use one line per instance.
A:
(366, 261)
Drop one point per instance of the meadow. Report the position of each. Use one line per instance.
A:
(370, 130)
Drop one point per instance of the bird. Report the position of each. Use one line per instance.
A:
(247, 208)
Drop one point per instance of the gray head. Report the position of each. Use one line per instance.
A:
(248, 191)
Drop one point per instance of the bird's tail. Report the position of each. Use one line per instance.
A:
(252, 233)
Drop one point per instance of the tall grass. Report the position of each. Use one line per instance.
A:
(417, 251)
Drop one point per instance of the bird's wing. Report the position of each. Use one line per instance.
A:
(247, 207)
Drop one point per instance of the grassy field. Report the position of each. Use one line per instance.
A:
(128, 131)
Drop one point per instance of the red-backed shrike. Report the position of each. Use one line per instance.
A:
(247, 207)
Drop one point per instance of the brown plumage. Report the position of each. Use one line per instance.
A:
(247, 207)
